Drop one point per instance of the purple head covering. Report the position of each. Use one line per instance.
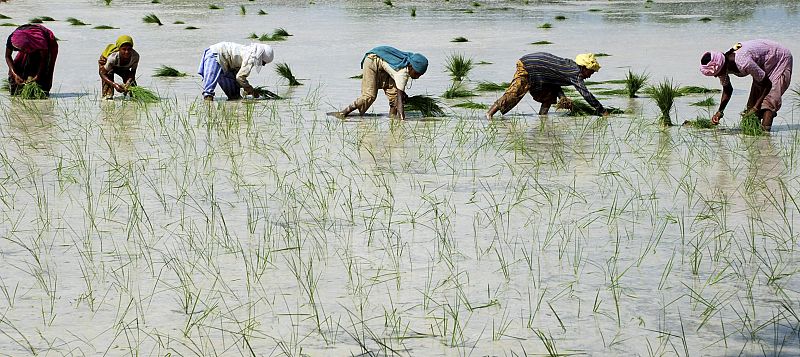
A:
(714, 66)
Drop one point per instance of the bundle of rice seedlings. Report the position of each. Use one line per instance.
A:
(613, 92)
(284, 71)
(689, 90)
(486, 86)
(546, 25)
(581, 108)
(4, 17)
(484, 62)
(457, 90)
(705, 102)
(155, 2)
(634, 82)
(459, 39)
(263, 92)
(8, 24)
(35, 20)
(5, 87)
(664, 95)
(601, 54)
(108, 2)
(152, 19)
(280, 31)
(472, 105)
(751, 125)
(262, 12)
(104, 27)
(476, 4)
(191, 28)
(428, 106)
(413, 11)
(75, 22)
(459, 66)
(358, 76)
(704, 19)
(142, 94)
(538, 43)
(167, 71)
(388, 3)
(560, 17)
(178, 22)
(242, 10)
(214, 7)
(699, 123)
(32, 90)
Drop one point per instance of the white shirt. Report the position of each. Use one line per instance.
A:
(400, 76)
(237, 58)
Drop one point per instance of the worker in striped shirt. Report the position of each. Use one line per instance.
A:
(542, 75)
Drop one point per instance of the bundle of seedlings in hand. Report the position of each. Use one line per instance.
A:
(263, 92)
(751, 125)
(152, 19)
(699, 123)
(634, 82)
(142, 95)
(167, 71)
(32, 90)
(428, 106)
(284, 71)
(664, 95)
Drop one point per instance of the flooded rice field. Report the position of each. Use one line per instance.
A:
(266, 228)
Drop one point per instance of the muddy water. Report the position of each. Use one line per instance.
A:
(268, 229)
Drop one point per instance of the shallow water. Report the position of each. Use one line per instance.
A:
(268, 228)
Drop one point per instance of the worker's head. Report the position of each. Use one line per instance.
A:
(712, 63)
(125, 46)
(418, 65)
(588, 64)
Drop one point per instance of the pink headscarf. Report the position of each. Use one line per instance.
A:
(714, 66)
(31, 38)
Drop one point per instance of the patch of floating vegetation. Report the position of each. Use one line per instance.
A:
(104, 27)
(543, 42)
(152, 19)
(167, 71)
(459, 39)
(75, 22)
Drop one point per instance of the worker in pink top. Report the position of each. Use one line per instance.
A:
(770, 65)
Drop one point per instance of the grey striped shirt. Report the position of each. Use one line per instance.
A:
(546, 70)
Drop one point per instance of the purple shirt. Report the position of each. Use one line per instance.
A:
(760, 59)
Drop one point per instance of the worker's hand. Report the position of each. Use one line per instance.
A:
(716, 117)
(32, 79)
(18, 79)
(102, 61)
(605, 113)
(565, 103)
(120, 88)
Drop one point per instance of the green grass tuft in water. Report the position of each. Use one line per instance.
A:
(457, 90)
(143, 95)
(459, 39)
(167, 71)
(32, 90)
(664, 95)
(705, 102)
(458, 66)
(75, 22)
(472, 105)
(543, 42)
(428, 106)
(214, 7)
(486, 86)
(546, 25)
(152, 19)
(285, 71)
(751, 125)
(634, 82)
(104, 27)
(699, 123)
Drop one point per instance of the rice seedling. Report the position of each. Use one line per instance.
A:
(242, 10)
(543, 42)
(388, 3)
(476, 4)
(634, 82)
(75, 22)
(483, 63)
(689, 90)
(108, 2)
(705, 102)
(751, 125)
(5, 87)
(472, 105)
(4, 17)
(699, 123)
(263, 92)
(413, 11)
(458, 66)
(104, 27)
(8, 24)
(595, 10)
(214, 7)
(560, 17)
(283, 70)
(155, 1)
(459, 39)
(167, 71)
(457, 90)
(601, 54)
(280, 31)
(35, 20)
(32, 90)
(262, 12)
(486, 86)
(704, 19)
(191, 28)
(178, 22)
(358, 76)
(664, 95)
(546, 25)
(428, 106)
(613, 92)
(152, 19)
(142, 95)
(252, 36)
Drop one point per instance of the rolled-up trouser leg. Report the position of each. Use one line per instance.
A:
(516, 91)
(369, 86)
(780, 84)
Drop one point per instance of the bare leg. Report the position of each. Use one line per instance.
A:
(544, 109)
(766, 121)
(492, 111)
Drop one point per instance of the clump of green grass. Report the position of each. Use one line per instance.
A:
(699, 123)
(252, 36)
(688, 90)
(457, 90)
(40, 19)
(242, 10)
(75, 22)
(262, 12)
(35, 20)
(472, 105)
(413, 11)
(543, 42)
(476, 4)
(546, 25)
(560, 17)
(358, 76)
(601, 54)
(458, 66)
(167, 71)
(486, 86)
(152, 19)
(104, 27)
(459, 39)
(751, 125)
(4, 17)
(664, 95)
(8, 24)
(108, 2)
(214, 7)
(705, 102)
(581, 108)
(191, 28)
(595, 10)
(263, 92)
(32, 90)
(155, 1)
(613, 92)
(634, 82)
(428, 106)
(704, 19)
(179, 22)
(388, 3)
(269, 37)
(280, 31)
(142, 94)
(285, 71)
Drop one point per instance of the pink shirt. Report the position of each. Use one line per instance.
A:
(760, 59)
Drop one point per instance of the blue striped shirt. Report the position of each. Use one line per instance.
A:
(546, 70)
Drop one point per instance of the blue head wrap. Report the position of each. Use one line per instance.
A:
(398, 59)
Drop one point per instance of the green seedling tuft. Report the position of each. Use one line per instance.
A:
(285, 71)
(214, 7)
(75, 22)
(705, 102)
(751, 125)
(191, 28)
(152, 19)
(634, 82)
(546, 25)
(428, 106)
(262, 12)
(459, 39)
(664, 95)
(142, 95)
(263, 92)
(472, 105)
(414, 11)
(560, 17)
(486, 86)
(543, 42)
(699, 123)
(457, 90)
(242, 10)
(32, 90)
(104, 27)
(167, 71)
(458, 66)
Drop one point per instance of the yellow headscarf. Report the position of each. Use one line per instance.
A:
(114, 47)
(587, 60)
